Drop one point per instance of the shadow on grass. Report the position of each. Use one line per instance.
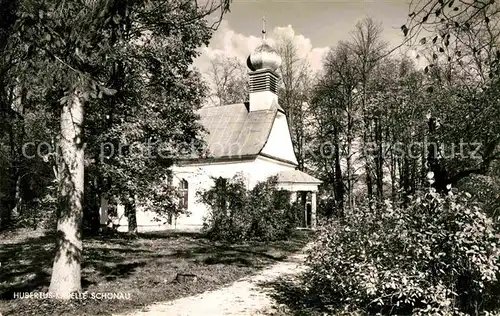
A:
(249, 254)
(143, 264)
(120, 270)
(171, 234)
(225, 254)
(25, 266)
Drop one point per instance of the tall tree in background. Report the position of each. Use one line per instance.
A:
(11, 120)
(7, 21)
(368, 48)
(294, 93)
(334, 100)
(399, 107)
(229, 79)
(327, 109)
(370, 107)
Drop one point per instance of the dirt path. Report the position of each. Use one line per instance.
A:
(243, 297)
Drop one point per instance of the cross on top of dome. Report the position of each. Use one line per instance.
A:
(263, 28)
(264, 56)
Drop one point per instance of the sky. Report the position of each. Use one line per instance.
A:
(315, 26)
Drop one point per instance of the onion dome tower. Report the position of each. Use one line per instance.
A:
(264, 57)
(263, 63)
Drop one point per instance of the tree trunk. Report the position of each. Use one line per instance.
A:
(303, 204)
(131, 215)
(350, 196)
(369, 182)
(393, 177)
(414, 176)
(16, 211)
(66, 271)
(367, 152)
(348, 158)
(16, 131)
(20, 161)
(339, 183)
(91, 222)
(406, 178)
(423, 168)
(400, 172)
(441, 178)
(379, 167)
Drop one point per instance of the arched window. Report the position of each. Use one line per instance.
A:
(184, 193)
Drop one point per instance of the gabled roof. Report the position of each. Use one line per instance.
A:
(235, 132)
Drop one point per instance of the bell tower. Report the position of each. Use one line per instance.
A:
(263, 63)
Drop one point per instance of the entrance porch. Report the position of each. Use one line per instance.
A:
(304, 189)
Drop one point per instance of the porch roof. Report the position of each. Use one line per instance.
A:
(297, 177)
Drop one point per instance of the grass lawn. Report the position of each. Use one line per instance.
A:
(142, 269)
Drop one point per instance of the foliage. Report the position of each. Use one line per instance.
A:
(110, 73)
(163, 200)
(487, 192)
(459, 40)
(371, 123)
(263, 213)
(40, 212)
(439, 255)
(273, 216)
(130, 60)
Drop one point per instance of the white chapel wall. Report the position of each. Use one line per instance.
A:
(199, 177)
(279, 143)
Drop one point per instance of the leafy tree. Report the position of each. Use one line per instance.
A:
(114, 67)
(341, 78)
(460, 41)
(9, 118)
(368, 48)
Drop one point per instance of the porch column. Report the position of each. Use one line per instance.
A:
(293, 197)
(303, 203)
(103, 210)
(313, 210)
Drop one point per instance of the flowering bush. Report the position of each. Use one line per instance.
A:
(263, 213)
(437, 256)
